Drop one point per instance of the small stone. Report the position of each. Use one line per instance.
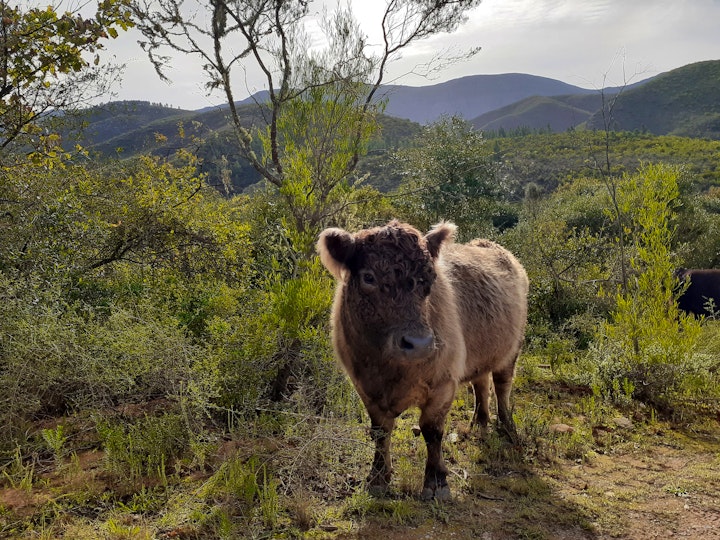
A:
(561, 428)
(623, 422)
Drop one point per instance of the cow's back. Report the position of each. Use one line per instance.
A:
(702, 292)
(491, 289)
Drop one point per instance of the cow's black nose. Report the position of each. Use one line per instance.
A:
(416, 344)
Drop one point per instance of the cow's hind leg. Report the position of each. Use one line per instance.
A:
(481, 389)
(432, 425)
(381, 427)
(503, 385)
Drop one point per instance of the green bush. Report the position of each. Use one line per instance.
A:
(277, 350)
(646, 350)
(59, 358)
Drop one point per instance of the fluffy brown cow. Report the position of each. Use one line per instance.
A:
(413, 317)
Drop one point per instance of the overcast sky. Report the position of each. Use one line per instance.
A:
(587, 43)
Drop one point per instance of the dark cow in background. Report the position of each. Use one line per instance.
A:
(703, 291)
(413, 317)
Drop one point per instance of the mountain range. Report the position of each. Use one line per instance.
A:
(684, 101)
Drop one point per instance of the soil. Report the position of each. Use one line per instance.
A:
(654, 489)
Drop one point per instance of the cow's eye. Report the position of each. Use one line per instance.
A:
(368, 279)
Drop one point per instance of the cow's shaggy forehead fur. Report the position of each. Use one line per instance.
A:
(395, 252)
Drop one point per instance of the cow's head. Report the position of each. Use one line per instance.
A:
(387, 274)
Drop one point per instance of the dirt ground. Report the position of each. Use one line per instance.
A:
(657, 489)
(574, 479)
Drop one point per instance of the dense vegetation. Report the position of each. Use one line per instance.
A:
(146, 315)
(165, 368)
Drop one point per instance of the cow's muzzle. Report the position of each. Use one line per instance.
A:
(416, 346)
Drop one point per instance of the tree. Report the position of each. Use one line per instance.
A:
(44, 67)
(647, 348)
(450, 175)
(337, 85)
(605, 168)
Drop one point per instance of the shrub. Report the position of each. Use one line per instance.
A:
(646, 349)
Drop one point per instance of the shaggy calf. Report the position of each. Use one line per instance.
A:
(413, 317)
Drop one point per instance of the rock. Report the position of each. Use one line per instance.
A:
(623, 422)
(561, 428)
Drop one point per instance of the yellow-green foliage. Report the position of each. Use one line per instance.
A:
(280, 333)
(46, 68)
(550, 159)
(646, 349)
(322, 133)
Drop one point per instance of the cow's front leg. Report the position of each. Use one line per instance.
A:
(381, 471)
(432, 424)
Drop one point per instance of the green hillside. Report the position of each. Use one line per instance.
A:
(138, 126)
(556, 113)
(106, 121)
(548, 159)
(685, 101)
(128, 129)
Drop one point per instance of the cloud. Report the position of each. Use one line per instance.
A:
(586, 43)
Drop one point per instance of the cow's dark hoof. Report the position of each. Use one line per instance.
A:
(439, 494)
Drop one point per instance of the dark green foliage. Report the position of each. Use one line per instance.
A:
(562, 241)
(277, 346)
(698, 236)
(448, 175)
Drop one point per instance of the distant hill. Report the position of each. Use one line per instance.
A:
(684, 101)
(134, 126)
(128, 128)
(466, 97)
(471, 96)
(107, 121)
(558, 113)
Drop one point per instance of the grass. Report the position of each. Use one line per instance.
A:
(303, 476)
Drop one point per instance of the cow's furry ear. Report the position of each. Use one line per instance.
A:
(335, 247)
(442, 232)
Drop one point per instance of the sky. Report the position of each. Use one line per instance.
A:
(587, 43)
